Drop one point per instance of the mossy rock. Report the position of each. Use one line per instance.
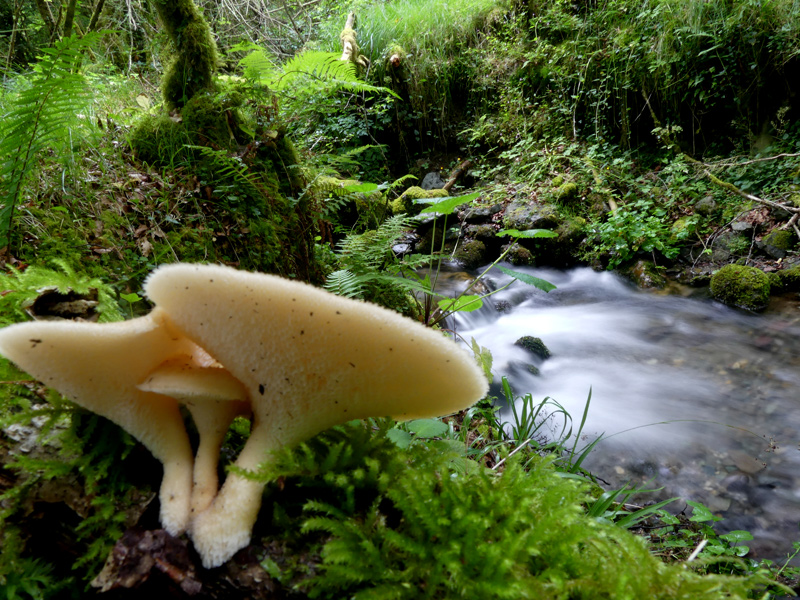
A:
(787, 280)
(645, 275)
(534, 345)
(522, 216)
(780, 238)
(567, 192)
(777, 243)
(405, 203)
(519, 255)
(471, 254)
(741, 286)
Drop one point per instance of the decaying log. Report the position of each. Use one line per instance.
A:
(349, 45)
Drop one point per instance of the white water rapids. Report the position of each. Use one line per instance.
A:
(690, 395)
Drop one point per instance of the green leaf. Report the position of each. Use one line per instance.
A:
(536, 282)
(462, 304)
(528, 233)
(700, 513)
(427, 428)
(402, 439)
(131, 297)
(446, 206)
(734, 537)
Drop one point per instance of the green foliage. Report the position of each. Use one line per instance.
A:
(41, 117)
(401, 523)
(22, 287)
(371, 271)
(435, 76)
(638, 227)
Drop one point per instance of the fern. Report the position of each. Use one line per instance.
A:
(22, 287)
(40, 118)
(430, 533)
(308, 73)
(346, 283)
(371, 271)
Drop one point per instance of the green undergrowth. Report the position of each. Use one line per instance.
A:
(411, 522)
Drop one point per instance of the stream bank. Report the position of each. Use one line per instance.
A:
(692, 397)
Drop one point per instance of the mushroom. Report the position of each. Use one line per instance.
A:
(214, 398)
(308, 360)
(98, 366)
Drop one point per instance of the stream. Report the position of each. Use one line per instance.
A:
(689, 394)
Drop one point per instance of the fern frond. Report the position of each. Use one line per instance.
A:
(345, 283)
(39, 118)
(21, 287)
(315, 70)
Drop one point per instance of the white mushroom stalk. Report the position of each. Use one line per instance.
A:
(298, 358)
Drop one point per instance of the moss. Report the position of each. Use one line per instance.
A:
(780, 239)
(519, 255)
(571, 230)
(193, 67)
(471, 254)
(787, 280)
(567, 192)
(534, 345)
(741, 286)
(158, 140)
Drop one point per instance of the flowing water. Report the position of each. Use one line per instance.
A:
(689, 394)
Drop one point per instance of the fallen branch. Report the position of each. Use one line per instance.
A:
(457, 172)
(665, 138)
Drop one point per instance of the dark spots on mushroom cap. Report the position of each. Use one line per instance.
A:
(35, 342)
(302, 332)
(261, 388)
(186, 288)
(311, 314)
(294, 299)
(391, 349)
(287, 379)
(211, 281)
(352, 365)
(338, 312)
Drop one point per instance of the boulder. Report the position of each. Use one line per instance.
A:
(741, 286)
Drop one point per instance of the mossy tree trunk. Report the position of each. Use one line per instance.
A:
(192, 70)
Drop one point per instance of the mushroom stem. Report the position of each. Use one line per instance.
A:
(226, 526)
(212, 422)
(214, 398)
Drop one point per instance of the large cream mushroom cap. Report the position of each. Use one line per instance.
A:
(308, 360)
(98, 366)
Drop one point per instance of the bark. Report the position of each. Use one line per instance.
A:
(47, 16)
